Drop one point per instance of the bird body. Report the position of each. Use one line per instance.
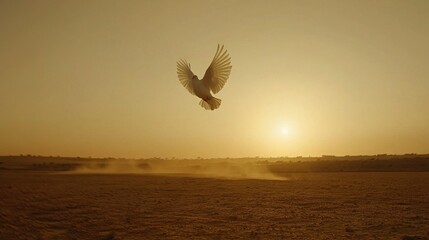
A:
(213, 81)
(200, 89)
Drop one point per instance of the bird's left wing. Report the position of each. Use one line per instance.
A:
(185, 75)
(218, 72)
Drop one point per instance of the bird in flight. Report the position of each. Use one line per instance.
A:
(214, 79)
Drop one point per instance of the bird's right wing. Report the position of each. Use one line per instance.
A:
(185, 75)
(218, 72)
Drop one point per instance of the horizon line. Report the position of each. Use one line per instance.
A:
(211, 158)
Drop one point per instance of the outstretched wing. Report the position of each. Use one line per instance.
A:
(185, 75)
(218, 72)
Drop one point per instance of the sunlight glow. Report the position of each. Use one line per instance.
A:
(284, 131)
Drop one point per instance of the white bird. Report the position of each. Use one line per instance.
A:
(214, 79)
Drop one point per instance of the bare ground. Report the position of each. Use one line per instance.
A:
(365, 205)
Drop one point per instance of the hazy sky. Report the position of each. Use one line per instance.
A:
(98, 78)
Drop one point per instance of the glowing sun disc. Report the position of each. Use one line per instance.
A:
(284, 131)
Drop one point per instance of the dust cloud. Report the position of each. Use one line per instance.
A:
(193, 168)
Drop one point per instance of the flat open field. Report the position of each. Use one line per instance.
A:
(348, 205)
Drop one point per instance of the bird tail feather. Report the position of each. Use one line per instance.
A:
(211, 103)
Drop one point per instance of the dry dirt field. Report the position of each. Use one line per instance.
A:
(365, 205)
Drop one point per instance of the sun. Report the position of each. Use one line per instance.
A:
(284, 131)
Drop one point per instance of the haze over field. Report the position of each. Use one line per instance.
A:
(98, 78)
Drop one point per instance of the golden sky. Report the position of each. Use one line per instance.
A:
(98, 78)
